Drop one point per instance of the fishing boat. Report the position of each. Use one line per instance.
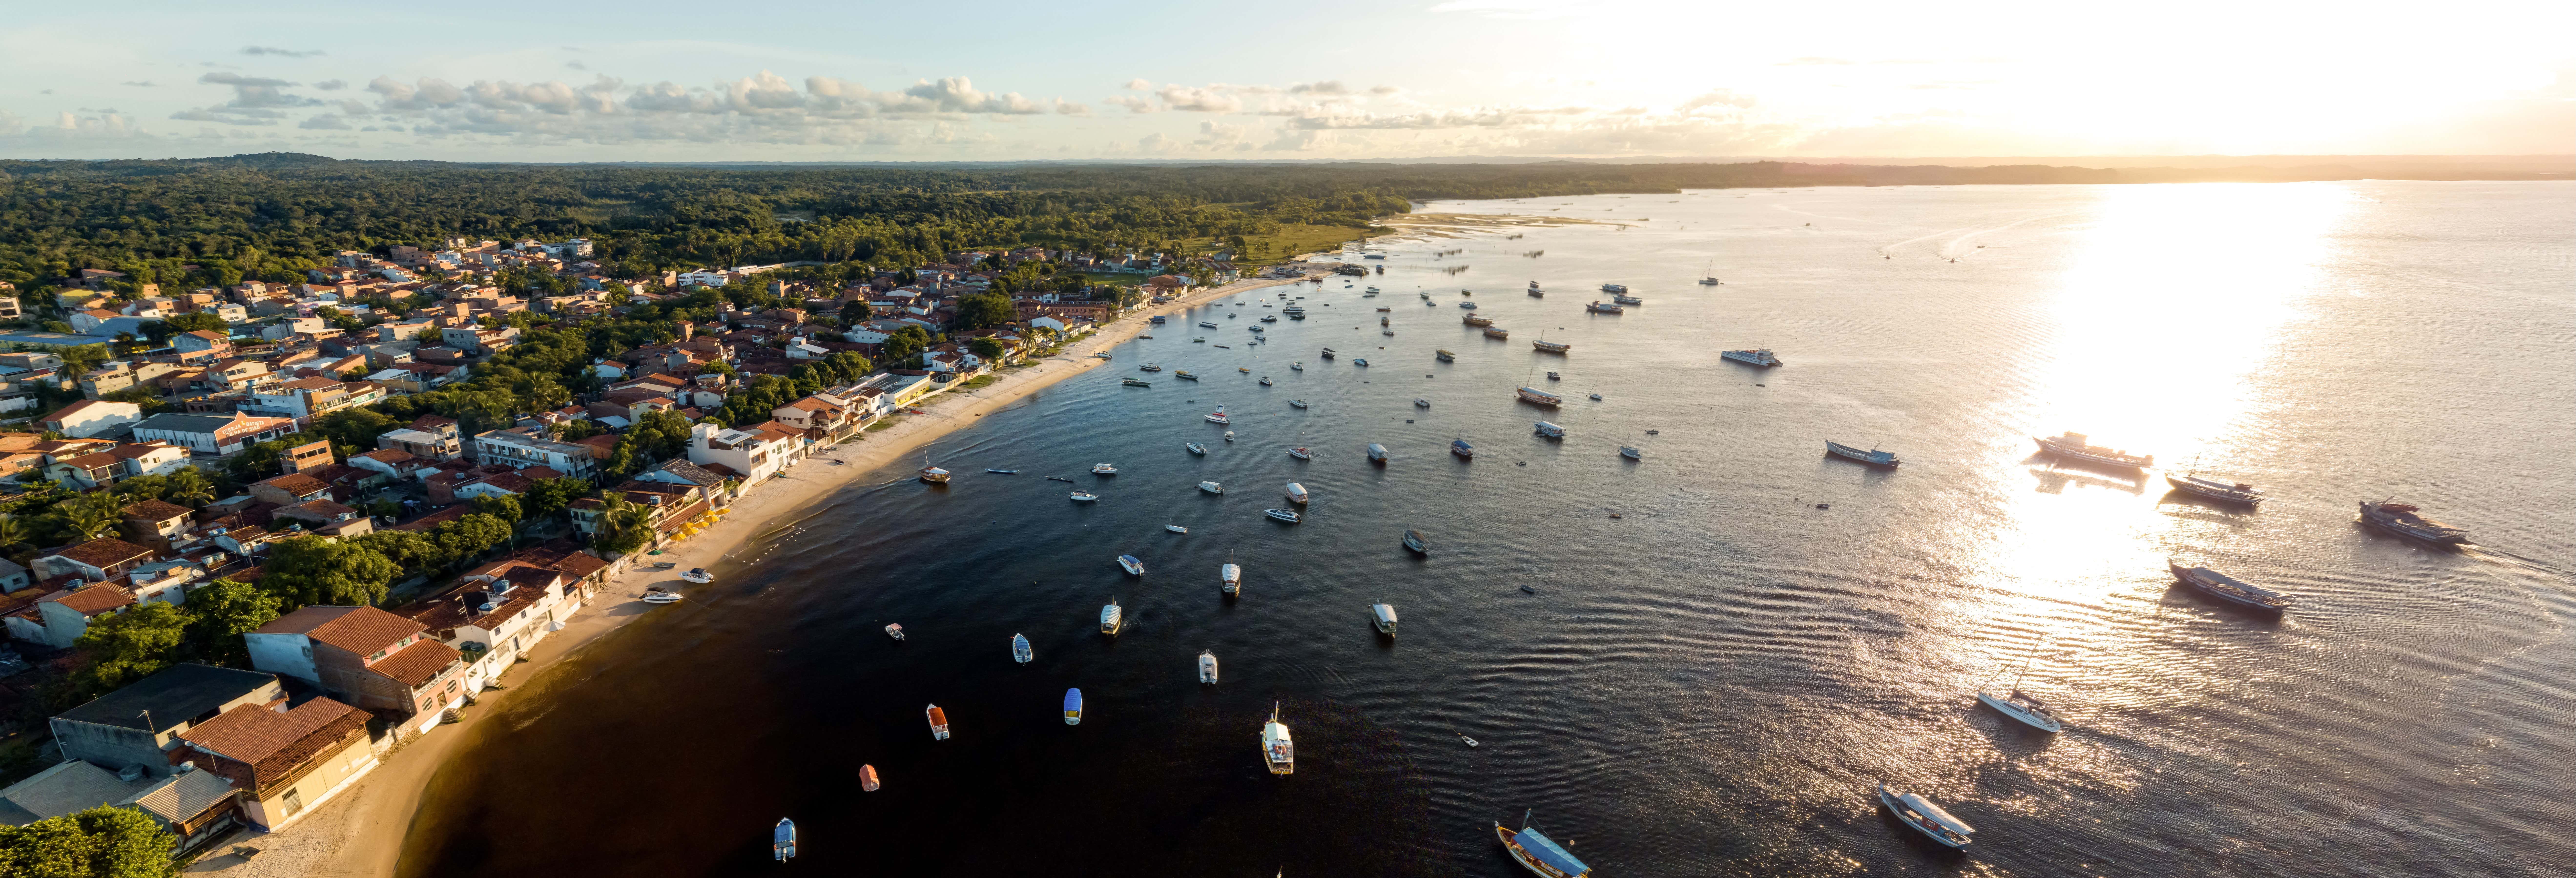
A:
(2404, 519)
(1084, 496)
(1467, 305)
(1006, 472)
(1420, 403)
(1551, 431)
(1372, 291)
(1207, 667)
(1277, 750)
(1603, 308)
(1462, 449)
(1613, 288)
(868, 778)
(1073, 707)
(1296, 403)
(1212, 487)
(2075, 446)
(1298, 366)
(1297, 494)
(2231, 589)
(1536, 396)
(1229, 435)
(1328, 353)
(1176, 528)
(1230, 576)
(1112, 617)
(895, 631)
(1596, 397)
(1538, 854)
(1873, 456)
(661, 597)
(1185, 375)
(1211, 324)
(2022, 707)
(1243, 369)
(1020, 651)
(1102, 469)
(1550, 347)
(1926, 818)
(1625, 299)
(1477, 320)
(698, 575)
(1059, 479)
(1131, 382)
(1301, 453)
(1269, 318)
(1361, 362)
(1265, 381)
(934, 475)
(1498, 333)
(1631, 452)
(1149, 367)
(1382, 614)
(2232, 492)
(1756, 356)
(1377, 453)
(1534, 291)
(1425, 296)
(1130, 564)
(782, 840)
(1413, 539)
(1294, 312)
(1443, 355)
(938, 722)
(1195, 448)
(1288, 515)
(1218, 416)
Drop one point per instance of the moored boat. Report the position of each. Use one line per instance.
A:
(1613, 288)
(1496, 332)
(1382, 615)
(1537, 853)
(1020, 651)
(938, 722)
(1230, 576)
(1298, 366)
(1084, 496)
(1478, 320)
(1207, 666)
(1551, 431)
(1377, 453)
(1195, 448)
(1212, 487)
(2022, 707)
(1328, 353)
(895, 631)
(1420, 403)
(1297, 494)
(1462, 449)
(1545, 346)
(1278, 750)
(1265, 380)
(1360, 362)
(2232, 492)
(1755, 356)
(1132, 565)
(934, 475)
(1112, 618)
(1149, 367)
(1604, 308)
(1073, 707)
(1296, 403)
(868, 778)
(1131, 382)
(698, 575)
(1102, 469)
(1443, 355)
(1626, 299)
(1631, 452)
(2231, 589)
(1288, 515)
(2404, 519)
(1414, 540)
(1536, 396)
(782, 840)
(1301, 454)
(1873, 457)
(2075, 446)
(661, 597)
(1926, 818)
(1219, 417)
(1185, 375)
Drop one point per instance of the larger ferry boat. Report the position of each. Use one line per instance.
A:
(2074, 446)
(1604, 308)
(1277, 750)
(1538, 854)
(1536, 396)
(1756, 356)
(2405, 520)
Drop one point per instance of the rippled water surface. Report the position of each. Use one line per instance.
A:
(1711, 683)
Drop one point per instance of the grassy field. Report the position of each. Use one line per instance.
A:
(1289, 241)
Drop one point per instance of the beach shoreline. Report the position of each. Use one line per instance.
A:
(362, 831)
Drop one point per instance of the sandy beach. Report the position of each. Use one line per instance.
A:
(360, 831)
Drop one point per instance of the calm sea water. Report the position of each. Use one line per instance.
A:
(1712, 683)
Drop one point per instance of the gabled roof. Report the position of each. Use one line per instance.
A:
(298, 484)
(94, 599)
(156, 510)
(362, 630)
(418, 663)
(104, 552)
(250, 734)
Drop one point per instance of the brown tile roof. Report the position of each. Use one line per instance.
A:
(362, 630)
(387, 456)
(95, 599)
(156, 510)
(318, 509)
(320, 727)
(418, 663)
(91, 461)
(435, 519)
(251, 733)
(298, 484)
(105, 552)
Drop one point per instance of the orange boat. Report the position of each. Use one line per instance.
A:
(868, 778)
(938, 723)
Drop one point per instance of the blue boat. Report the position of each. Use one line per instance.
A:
(1131, 565)
(1538, 854)
(782, 841)
(1073, 707)
(1873, 457)
(1462, 449)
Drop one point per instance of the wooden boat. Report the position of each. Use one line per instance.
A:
(1537, 853)
(1478, 320)
(1535, 396)
(934, 475)
(938, 722)
(1495, 332)
(1414, 540)
(1873, 457)
(1131, 382)
(2230, 589)
(2406, 520)
(1444, 356)
(2074, 446)
(2231, 492)
(868, 778)
(1927, 818)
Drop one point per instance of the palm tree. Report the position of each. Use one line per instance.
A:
(191, 487)
(86, 520)
(13, 533)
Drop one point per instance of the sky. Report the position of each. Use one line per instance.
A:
(791, 80)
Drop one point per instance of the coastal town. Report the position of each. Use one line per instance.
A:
(266, 539)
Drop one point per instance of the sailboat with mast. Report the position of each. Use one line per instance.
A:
(1708, 276)
(2021, 706)
(932, 474)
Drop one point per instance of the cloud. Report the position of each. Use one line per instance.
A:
(70, 134)
(1132, 103)
(139, 83)
(1326, 87)
(1815, 61)
(324, 122)
(1200, 100)
(1499, 117)
(284, 53)
(957, 95)
(1383, 89)
(1518, 9)
(763, 108)
(332, 84)
(256, 92)
(1068, 108)
(1718, 98)
(575, 65)
(1138, 84)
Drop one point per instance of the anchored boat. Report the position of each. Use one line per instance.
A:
(1462, 449)
(1112, 618)
(894, 631)
(868, 778)
(1414, 540)
(2403, 519)
(1073, 707)
(1277, 750)
(938, 722)
(1536, 396)
(1288, 515)
(782, 840)
(1444, 356)
(1551, 431)
(1130, 564)
(2075, 446)
(1377, 453)
(1382, 614)
(1231, 576)
(1873, 457)
(1926, 818)
(1020, 649)
(1756, 356)
(1212, 487)
(1207, 666)
(1535, 852)
(2232, 492)
(2231, 589)
(1297, 494)
(1131, 382)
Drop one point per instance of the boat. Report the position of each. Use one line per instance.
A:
(1369, 292)
(1538, 854)
(1149, 367)
(1551, 431)
(1212, 487)
(698, 575)
(1613, 288)
(1604, 308)
(1386, 332)
(1443, 355)
(934, 475)
(1462, 449)
(1007, 472)
(1328, 353)
(1596, 397)
(868, 778)
(1377, 453)
(1926, 818)
(1707, 277)
(1194, 447)
(1467, 305)
(1463, 739)
(1466, 292)
(1498, 333)
(1211, 324)
(2022, 707)
(2073, 446)
(2231, 589)
(1536, 396)
(2403, 519)
(1420, 403)
(938, 722)
(1229, 435)
(1545, 346)
(1131, 382)
(1294, 312)
(1301, 453)
(1534, 291)
(1185, 375)
(1413, 539)
(1269, 318)
(1551, 376)
(1382, 614)
(1385, 309)
(1084, 496)
(1102, 469)
(1020, 649)
(1243, 369)
(782, 840)
(1218, 416)
(1073, 707)
(661, 597)
(1059, 479)
(1477, 320)
(1360, 361)
(1625, 299)
(2235, 492)
(1112, 617)
(1130, 564)
(1297, 494)
(1630, 452)
(1296, 403)
(1277, 750)
(1425, 296)
(1207, 666)
(1873, 456)
(1176, 528)
(895, 631)
(1265, 381)
(1298, 366)
(1230, 575)
(1288, 515)
(1756, 356)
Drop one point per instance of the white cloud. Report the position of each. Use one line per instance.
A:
(272, 50)
(1200, 100)
(1138, 84)
(1132, 103)
(1718, 98)
(1518, 9)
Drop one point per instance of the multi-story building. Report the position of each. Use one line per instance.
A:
(208, 435)
(365, 657)
(523, 447)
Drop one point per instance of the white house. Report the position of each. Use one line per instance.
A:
(524, 447)
(90, 417)
(753, 454)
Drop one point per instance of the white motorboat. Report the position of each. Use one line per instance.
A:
(1297, 494)
(1288, 515)
(1112, 618)
(1630, 452)
(698, 575)
(1277, 750)
(1207, 667)
(1218, 416)
(1927, 818)
(1231, 576)
(1084, 497)
(1176, 528)
(782, 840)
(2023, 707)
(1420, 403)
(1377, 453)
(1756, 356)
(1132, 565)
(1382, 615)
(1020, 651)
(1102, 469)
(1551, 431)
(1296, 403)
(1298, 366)
(1301, 453)
(661, 597)
(1194, 447)
(1229, 435)
(1212, 487)
(895, 631)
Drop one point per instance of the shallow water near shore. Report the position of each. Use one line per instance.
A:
(1713, 682)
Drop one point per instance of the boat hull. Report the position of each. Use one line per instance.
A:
(1751, 358)
(1847, 452)
(1918, 825)
(2033, 719)
(2230, 590)
(1511, 845)
(2212, 492)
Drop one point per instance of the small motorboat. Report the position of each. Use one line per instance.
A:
(1102, 469)
(1243, 369)
(1218, 416)
(1230, 577)
(1073, 707)
(1420, 403)
(1296, 403)
(1265, 381)
(1298, 366)
(1006, 472)
(1414, 540)
(1444, 356)
(1212, 487)
(1527, 589)
(1377, 453)
(1229, 435)
(1207, 667)
(868, 778)
(934, 475)
(895, 631)
(1926, 818)
(1112, 618)
(1185, 375)
(1753, 357)
(661, 597)
(782, 840)
(1297, 494)
(1630, 452)
(1872, 456)
(1382, 614)
(1301, 454)
(698, 575)
(1552, 431)
(1596, 397)
(1131, 382)
(1020, 649)
(1195, 448)
(1130, 564)
(1328, 353)
(1551, 376)
(1361, 361)
(1463, 739)
(1288, 515)
(1462, 449)
(1278, 750)
(938, 722)
(1084, 497)
(1176, 528)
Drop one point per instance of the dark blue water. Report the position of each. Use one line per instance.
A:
(1711, 683)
